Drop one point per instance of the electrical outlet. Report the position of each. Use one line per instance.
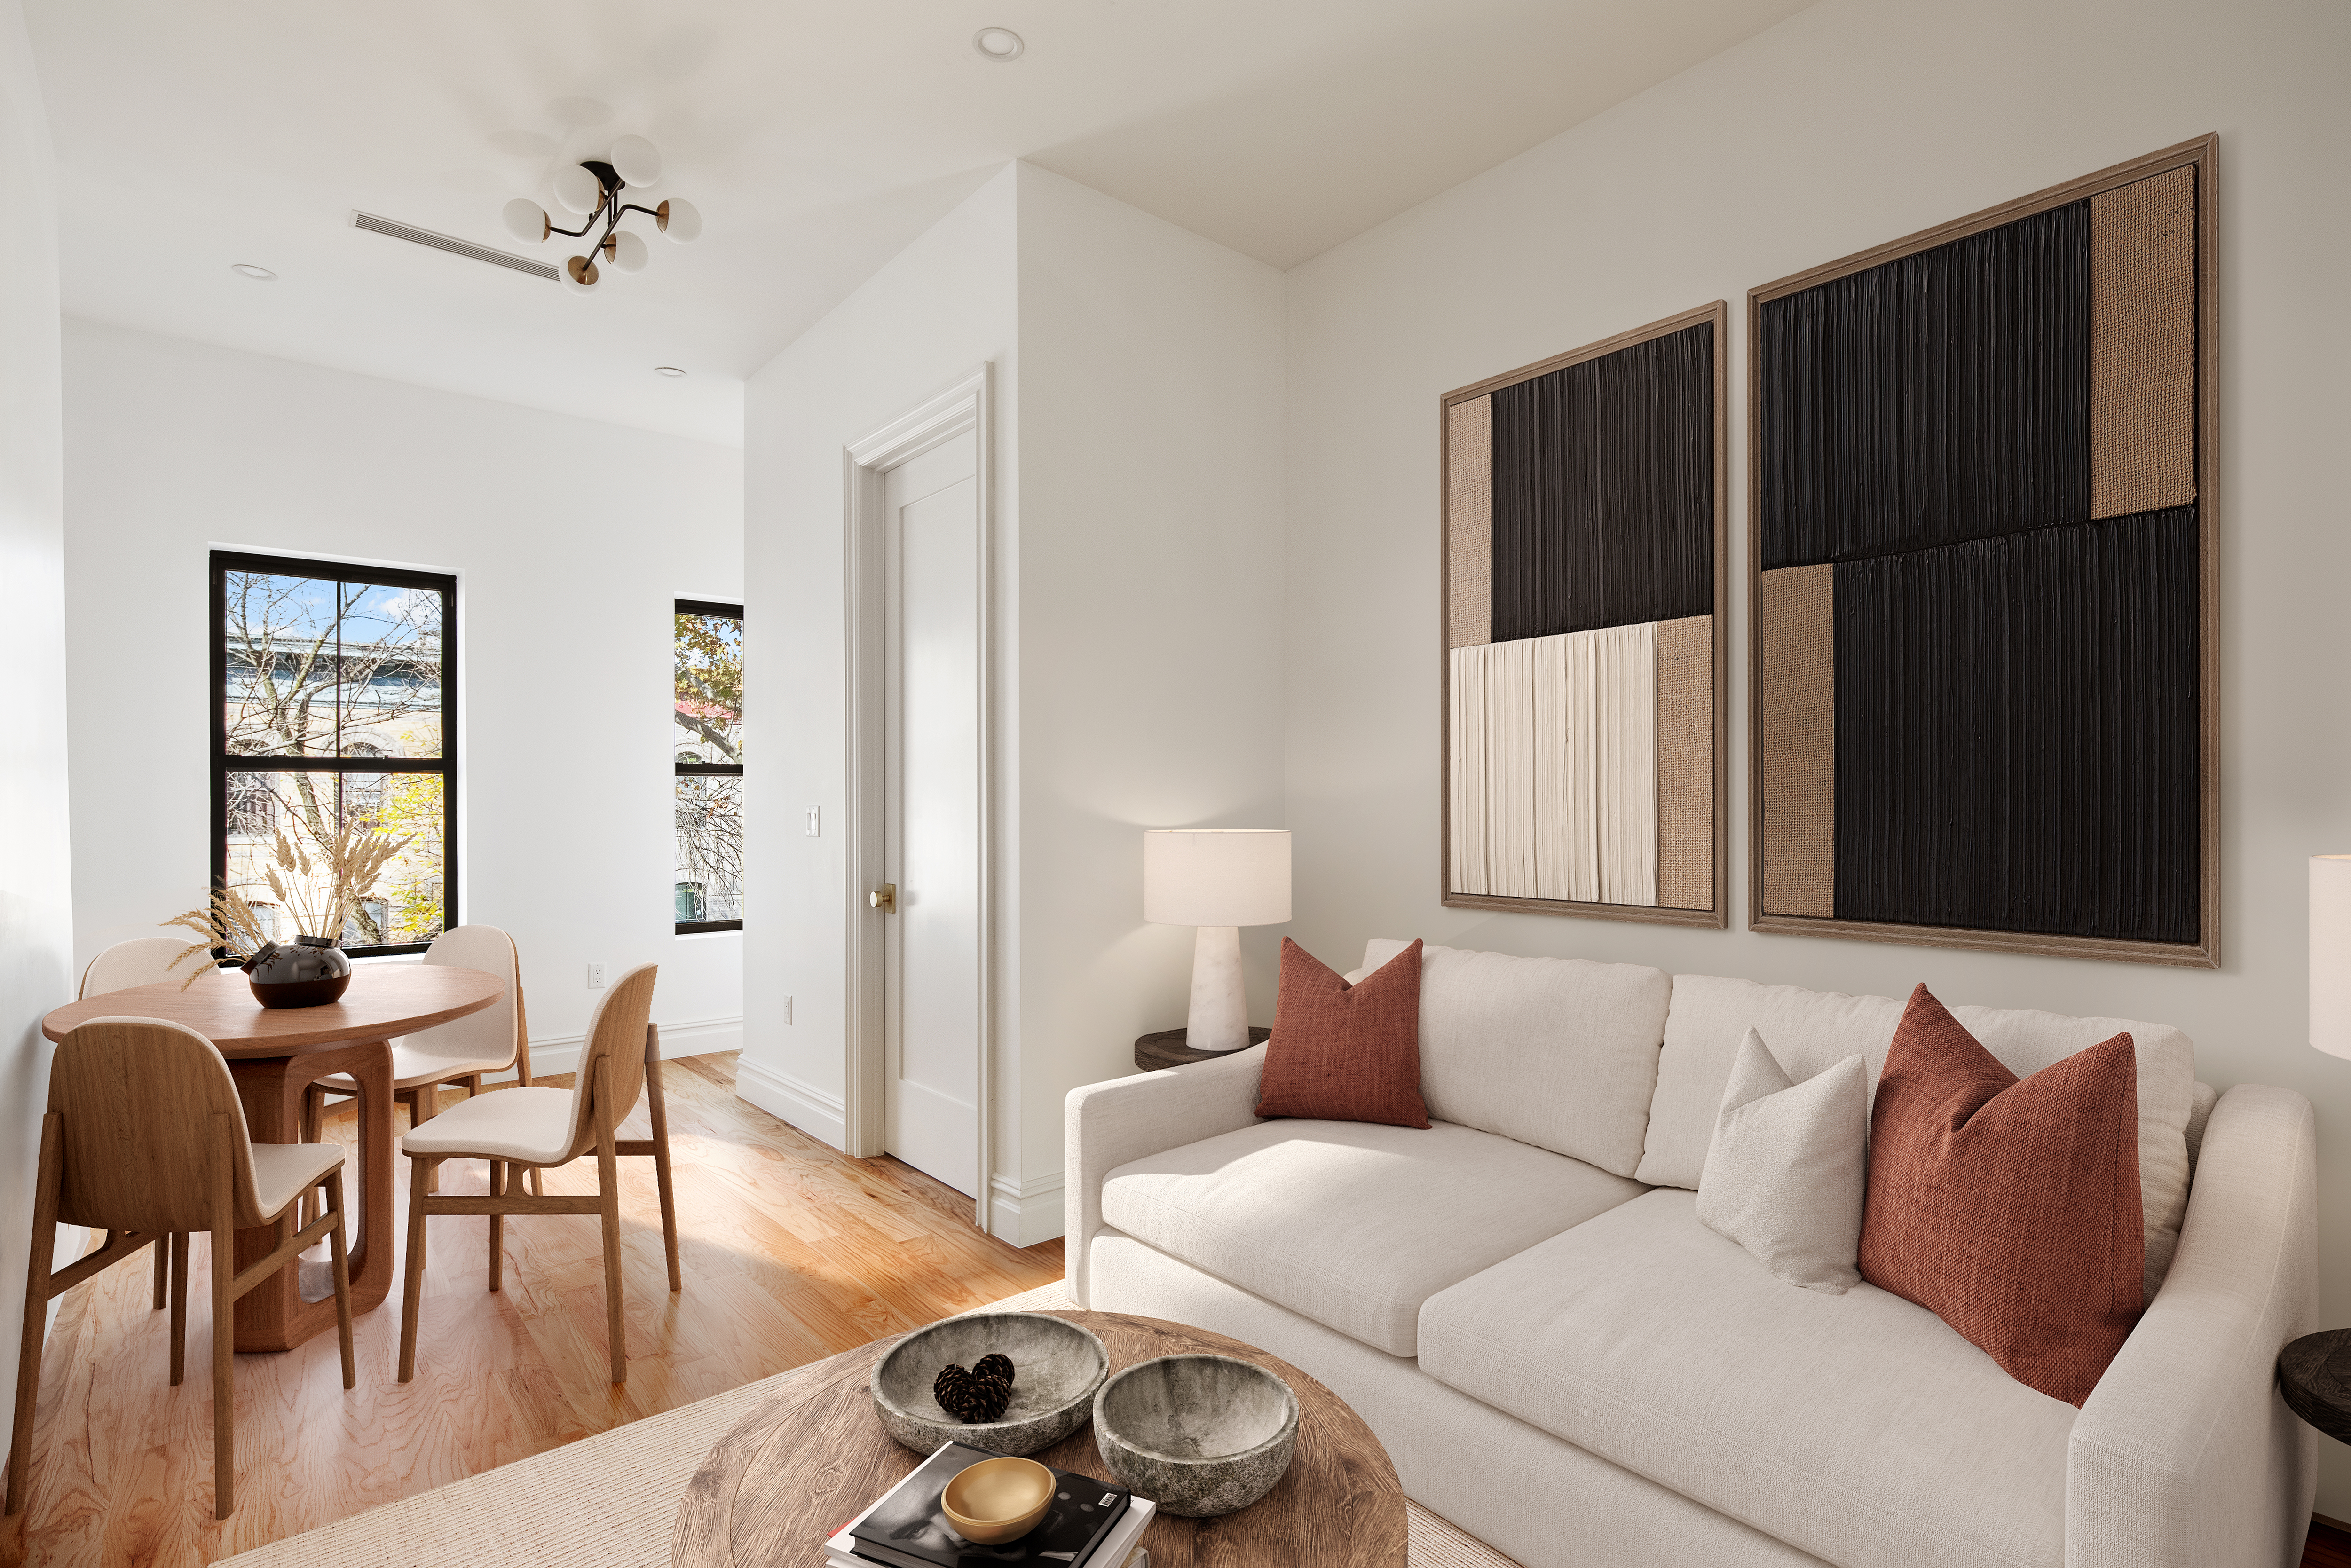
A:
(815, 821)
(788, 1009)
(595, 976)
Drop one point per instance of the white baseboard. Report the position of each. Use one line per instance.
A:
(1026, 1212)
(555, 1053)
(782, 1095)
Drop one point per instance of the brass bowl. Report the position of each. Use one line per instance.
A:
(996, 1501)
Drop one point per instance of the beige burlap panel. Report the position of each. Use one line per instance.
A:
(1798, 728)
(1469, 523)
(1686, 763)
(2143, 345)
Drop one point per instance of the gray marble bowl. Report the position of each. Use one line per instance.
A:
(1198, 1435)
(1057, 1367)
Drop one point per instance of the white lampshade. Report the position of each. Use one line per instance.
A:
(1217, 876)
(2330, 954)
(527, 220)
(679, 220)
(577, 188)
(628, 252)
(636, 160)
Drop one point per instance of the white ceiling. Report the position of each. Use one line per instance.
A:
(816, 139)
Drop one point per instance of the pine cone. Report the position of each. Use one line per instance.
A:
(994, 1365)
(972, 1397)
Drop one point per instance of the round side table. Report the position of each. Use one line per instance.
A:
(2315, 1375)
(1167, 1049)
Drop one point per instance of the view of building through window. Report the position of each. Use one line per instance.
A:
(707, 742)
(337, 692)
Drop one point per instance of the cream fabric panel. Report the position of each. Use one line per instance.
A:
(1469, 522)
(1466, 772)
(1555, 767)
(1567, 764)
(1624, 765)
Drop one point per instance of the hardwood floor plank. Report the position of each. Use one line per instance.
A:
(791, 1251)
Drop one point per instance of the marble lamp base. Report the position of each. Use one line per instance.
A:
(1218, 1020)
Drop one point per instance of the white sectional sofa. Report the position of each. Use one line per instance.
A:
(1561, 1360)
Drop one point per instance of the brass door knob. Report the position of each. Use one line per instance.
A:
(884, 898)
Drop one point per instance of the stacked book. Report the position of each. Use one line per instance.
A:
(1091, 1524)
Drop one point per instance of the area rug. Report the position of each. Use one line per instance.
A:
(609, 1501)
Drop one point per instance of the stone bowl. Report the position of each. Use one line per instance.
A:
(1198, 1435)
(1057, 1367)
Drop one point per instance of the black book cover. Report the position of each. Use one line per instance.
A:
(907, 1530)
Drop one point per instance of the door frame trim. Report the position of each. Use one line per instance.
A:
(967, 406)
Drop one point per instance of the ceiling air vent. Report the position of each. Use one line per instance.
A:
(414, 236)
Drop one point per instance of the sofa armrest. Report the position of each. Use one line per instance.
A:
(2185, 1456)
(1108, 1123)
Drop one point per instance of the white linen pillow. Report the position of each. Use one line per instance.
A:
(1789, 1168)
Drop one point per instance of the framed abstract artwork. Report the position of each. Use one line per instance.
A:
(1983, 651)
(1583, 582)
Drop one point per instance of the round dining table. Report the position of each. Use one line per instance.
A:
(273, 1053)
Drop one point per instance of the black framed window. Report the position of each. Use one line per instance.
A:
(334, 711)
(707, 746)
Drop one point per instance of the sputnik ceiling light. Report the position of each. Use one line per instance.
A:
(591, 190)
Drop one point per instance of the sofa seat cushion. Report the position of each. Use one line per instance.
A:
(1353, 1224)
(1857, 1427)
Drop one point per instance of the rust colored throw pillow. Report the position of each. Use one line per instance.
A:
(1342, 1052)
(2008, 1208)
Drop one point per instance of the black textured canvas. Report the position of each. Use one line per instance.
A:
(1604, 491)
(1939, 397)
(2016, 732)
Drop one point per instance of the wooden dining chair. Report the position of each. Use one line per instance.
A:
(460, 1051)
(144, 1138)
(536, 1128)
(141, 961)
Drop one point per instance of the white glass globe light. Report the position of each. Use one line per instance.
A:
(679, 220)
(578, 189)
(628, 251)
(580, 275)
(527, 220)
(638, 160)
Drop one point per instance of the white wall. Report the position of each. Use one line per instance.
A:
(570, 538)
(940, 307)
(36, 908)
(1855, 122)
(1138, 580)
(1150, 632)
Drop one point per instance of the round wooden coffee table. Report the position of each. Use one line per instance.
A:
(808, 1461)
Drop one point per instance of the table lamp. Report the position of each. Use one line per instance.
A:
(2330, 954)
(1218, 879)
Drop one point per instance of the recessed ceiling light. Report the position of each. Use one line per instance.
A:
(999, 43)
(259, 274)
(667, 370)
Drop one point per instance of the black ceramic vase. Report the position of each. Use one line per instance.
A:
(309, 974)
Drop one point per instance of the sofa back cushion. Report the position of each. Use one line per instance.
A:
(1558, 1052)
(1810, 1031)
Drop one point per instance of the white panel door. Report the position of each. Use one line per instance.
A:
(931, 833)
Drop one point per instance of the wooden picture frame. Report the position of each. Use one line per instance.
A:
(2204, 950)
(1714, 319)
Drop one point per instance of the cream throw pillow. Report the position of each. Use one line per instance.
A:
(1789, 1166)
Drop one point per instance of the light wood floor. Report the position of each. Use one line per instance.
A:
(792, 1251)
